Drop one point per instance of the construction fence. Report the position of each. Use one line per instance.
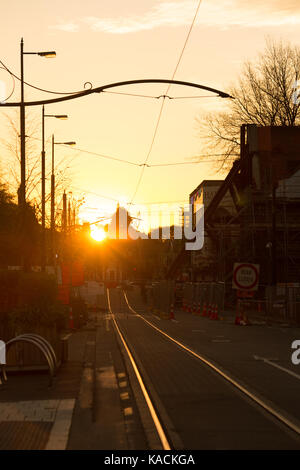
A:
(199, 298)
(280, 304)
(207, 299)
(203, 298)
(160, 298)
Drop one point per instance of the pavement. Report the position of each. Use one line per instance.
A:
(88, 407)
(94, 402)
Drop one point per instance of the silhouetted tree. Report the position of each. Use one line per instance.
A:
(264, 95)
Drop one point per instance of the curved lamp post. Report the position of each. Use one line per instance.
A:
(47, 54)
(43, 164)
(52, 226)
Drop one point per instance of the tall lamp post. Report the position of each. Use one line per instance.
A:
(53, 193)
(43, 161)
(22, 189)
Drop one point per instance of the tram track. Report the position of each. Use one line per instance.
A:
(157, 422)
(276, 415)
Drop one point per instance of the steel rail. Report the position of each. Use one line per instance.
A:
(271, 410)
(99, 89)
(159, 428)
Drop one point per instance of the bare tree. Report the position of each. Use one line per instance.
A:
(11, 145)
(264, 95)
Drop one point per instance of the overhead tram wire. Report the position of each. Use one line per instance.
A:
(163, 102)
(39, 88)
(117, 200)
(14, 83)
(120, 160)
(14, 76)
(137, 95)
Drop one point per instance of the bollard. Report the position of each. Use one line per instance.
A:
(171, 317)
(71, 319)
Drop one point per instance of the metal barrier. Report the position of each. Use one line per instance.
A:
(43, 345)
(161, 298)
(198, 298)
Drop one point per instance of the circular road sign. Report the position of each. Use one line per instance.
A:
(245, 276)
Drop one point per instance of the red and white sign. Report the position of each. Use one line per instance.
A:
(245, 276)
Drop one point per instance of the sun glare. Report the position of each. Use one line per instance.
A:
(98, 234)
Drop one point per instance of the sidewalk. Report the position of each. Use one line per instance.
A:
(81, 410)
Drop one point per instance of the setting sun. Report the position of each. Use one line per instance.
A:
(98, 234)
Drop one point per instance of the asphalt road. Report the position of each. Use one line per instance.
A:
(204, 411)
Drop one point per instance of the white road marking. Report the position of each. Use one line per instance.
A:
(60, 431)
(58, 412)
(67, 336)
(128, 411)
(221, 340)
(268, 361)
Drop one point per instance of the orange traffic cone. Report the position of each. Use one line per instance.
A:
(204, 310)
(209, 310)
(238, 317)
(199, 308)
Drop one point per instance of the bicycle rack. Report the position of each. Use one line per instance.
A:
(42, 344)
(47, 344)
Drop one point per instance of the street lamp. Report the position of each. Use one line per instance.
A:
(22, 189)
(53, 191)
(57, 116)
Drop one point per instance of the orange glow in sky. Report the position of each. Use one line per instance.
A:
(107, 41)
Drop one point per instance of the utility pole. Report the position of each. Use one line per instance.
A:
(22, 189)
(69, 214)
(43, 164)
(274, 236)
(64, 217)
(52, 226)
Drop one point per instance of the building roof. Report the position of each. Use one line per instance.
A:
(206, 183)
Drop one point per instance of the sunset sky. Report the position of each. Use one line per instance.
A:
(112, 40)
